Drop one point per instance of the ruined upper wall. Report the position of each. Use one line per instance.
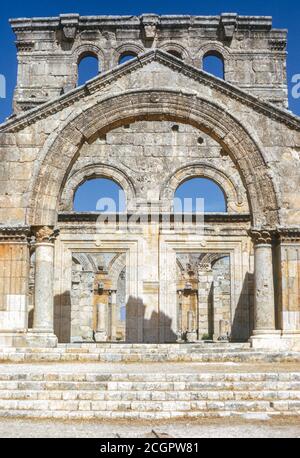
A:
(49, 49)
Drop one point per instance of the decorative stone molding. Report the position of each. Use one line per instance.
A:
(69, 24)
(150, 23)
(11, 234)
(204, 267)
(45, 234)
(88, 49)
(113, 112)
(177, 47)
(96, 171)
(236, 200)
(288, 235)
(49, 108)
(228, 23)
(126, 48)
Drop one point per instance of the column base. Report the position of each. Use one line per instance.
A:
(41, 338)
(266, 340)
(100, 336)
(13, 339)
(191, 336)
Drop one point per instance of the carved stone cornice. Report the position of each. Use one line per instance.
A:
(45, 234)
(13, 234)
(288, 235)
(107, 78)
(262, 236)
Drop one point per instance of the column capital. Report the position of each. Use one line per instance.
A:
(45, 234)
(262, 236)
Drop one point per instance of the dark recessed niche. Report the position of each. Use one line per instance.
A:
(200, 140)
(223, 153)
(102, 137)
(127, 126)
(175, 128)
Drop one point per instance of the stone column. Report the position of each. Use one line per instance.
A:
(113, 315)
(264, 334)
(101, 331)
(42, 333)
(205, 304)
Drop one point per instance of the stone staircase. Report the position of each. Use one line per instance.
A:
(142, 394)
(121, 352)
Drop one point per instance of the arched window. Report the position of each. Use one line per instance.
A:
(126, 56)
(214, 63)
(198, 195)
(88, 68)
(99, 195)
(175, 53)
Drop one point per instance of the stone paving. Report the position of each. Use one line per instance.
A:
(208, 428)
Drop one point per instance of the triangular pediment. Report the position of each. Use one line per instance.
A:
(156, 60)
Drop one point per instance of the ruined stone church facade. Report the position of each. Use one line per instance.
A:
(149, 125)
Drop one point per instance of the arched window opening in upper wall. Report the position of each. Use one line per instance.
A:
(126, 56)
(199, 195)
(175, 53)
(213, 63)
(99, 195)
(88, 68)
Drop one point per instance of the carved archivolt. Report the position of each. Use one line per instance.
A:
(96, 171)
(131, 106)
(126, 48)
(86, 261)
(115, 268)
(234, 195)
(88, 49)
(212, 47)
(178, 48)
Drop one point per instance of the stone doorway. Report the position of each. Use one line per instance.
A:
(203, 296)
(98, 297)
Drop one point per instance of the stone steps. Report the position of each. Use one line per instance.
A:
(147, 395)
(129, 395)
(146, 353)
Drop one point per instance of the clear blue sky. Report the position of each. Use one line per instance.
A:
(285, 15)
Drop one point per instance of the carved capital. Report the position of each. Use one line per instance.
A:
(45, 234)
(261, 237)
(204, 267)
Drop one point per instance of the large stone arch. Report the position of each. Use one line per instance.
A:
(132, 106)
(233, 193)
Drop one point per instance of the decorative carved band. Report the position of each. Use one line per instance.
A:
(15, 234)
(45, 234)
(291, 235)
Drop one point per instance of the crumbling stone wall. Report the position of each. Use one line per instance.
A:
(49, 49)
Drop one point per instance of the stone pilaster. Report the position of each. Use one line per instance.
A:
(288, 292)
(264, 299)
(14, 281)
(42, 332)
